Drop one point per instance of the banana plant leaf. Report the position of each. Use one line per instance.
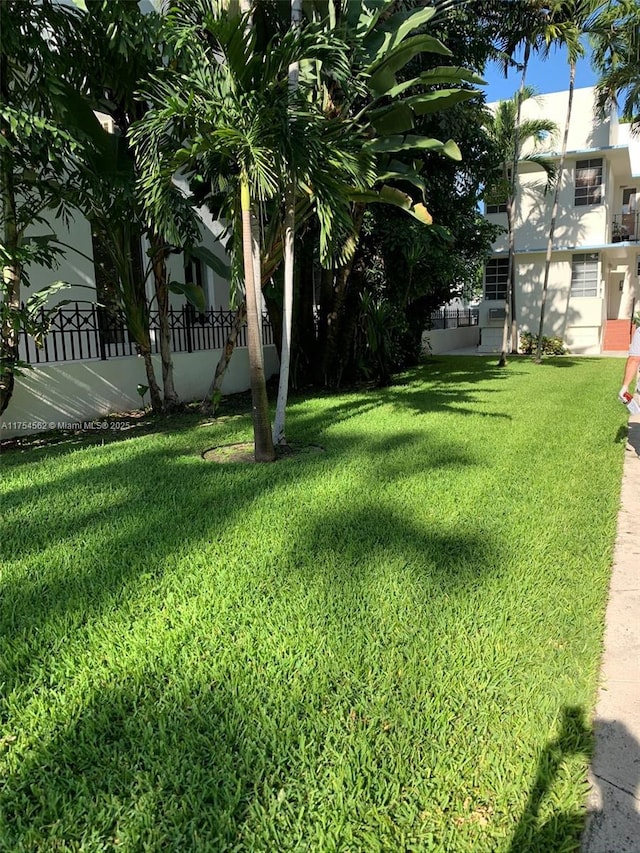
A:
(397, 198)
(192, 293)
(409, 143)
(205, 255)
(383, 75)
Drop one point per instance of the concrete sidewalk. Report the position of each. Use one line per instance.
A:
(613, 822)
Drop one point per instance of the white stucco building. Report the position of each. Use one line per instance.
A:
(593, 284)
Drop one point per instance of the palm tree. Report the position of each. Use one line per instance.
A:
(615, 37)
(527, 22)
(520, 141)
(234, 137)
(569, 21)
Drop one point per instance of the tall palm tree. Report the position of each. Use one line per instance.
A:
(526, 28)
(232, 136)
(569, 21)
(520, 141)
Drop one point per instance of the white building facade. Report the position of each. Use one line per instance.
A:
(593, 289)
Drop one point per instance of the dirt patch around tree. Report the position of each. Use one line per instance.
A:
(243, 452)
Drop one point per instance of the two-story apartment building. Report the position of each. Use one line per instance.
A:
(594, 286)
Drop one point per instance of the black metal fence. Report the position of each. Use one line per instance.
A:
(81, 333)
(452, 318)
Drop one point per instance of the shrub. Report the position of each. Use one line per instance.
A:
(550, 346)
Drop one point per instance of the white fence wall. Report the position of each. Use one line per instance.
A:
(445, 340)
(51, 396)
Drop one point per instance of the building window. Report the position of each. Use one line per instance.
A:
(584, 274)
(588, 182)
(110, 323)
(495, 279)
(498, 193)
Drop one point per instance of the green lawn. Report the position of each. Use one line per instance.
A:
(391, 646)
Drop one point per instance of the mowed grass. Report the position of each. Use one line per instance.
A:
(390, 646)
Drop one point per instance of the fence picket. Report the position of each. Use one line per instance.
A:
(64, 339)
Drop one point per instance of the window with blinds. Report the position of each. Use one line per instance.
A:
(495, 279)
(584, 274)
(588, 188)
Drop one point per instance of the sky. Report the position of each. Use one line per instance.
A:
(550, 75)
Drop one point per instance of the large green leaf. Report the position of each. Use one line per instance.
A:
(396, 198)
(440, 99)
(383, 75)
(388, 36)
(409, 143)
(399, 117)
(38, 299)
(410, 176)
(212, 260)
(436, 77)
(396, 118)
(192, 293)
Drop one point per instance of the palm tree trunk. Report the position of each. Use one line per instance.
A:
(289, 258)
(510, 300)
(287, 310)
(210, 403)
(257, 266)
(514, 187)
(11, 271)
(507, 299)
(11, 274)
(263, 444)
(133, 299)
(154, 389)
(554, 213)
(159, 266)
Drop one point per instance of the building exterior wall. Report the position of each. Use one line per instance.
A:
(601, 229)
(77, 269)
(438, 341)
(58, 396)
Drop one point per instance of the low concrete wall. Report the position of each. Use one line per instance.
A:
(52, 395)
(444, 340)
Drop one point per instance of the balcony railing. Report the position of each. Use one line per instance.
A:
(625, 228)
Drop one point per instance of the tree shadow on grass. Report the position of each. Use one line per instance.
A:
(562, 361)
(104, 534)
(560, 832)
(142, 766)
(204, 765)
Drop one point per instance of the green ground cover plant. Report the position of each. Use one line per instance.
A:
(389, 646)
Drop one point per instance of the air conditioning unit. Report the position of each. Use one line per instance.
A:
(496, 314)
